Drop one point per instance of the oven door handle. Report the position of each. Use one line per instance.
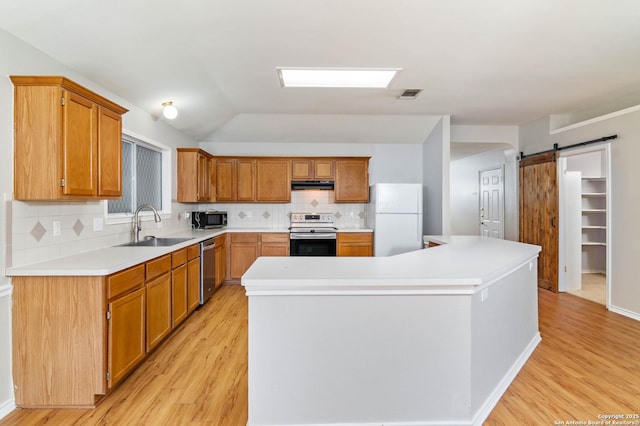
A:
(313, 236)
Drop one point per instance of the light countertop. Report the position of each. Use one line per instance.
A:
(109, 260)
(466, 262)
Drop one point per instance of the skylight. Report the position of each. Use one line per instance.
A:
(336, 77)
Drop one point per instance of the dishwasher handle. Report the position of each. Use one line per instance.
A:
(208, 245)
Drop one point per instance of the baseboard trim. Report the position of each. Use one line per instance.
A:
(7, 407)
(624, 312)
(492, 400)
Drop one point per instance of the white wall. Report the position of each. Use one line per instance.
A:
(18, 58)
(465, 198)
(625, 195)
(435, 178)
(325, 128)
(465, 201)
(485, 134)
(590, 164)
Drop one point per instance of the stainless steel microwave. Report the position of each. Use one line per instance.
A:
(208, 219)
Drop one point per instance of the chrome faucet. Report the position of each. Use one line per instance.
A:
(137, 225)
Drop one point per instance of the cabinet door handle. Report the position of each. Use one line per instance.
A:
(553, 222)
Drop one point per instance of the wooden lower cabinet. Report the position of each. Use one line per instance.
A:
(220, 260)
(179, 308)
(63, 363)
(193, 277)
(179, 280)
(98, 328)
(245, 249)
(126, 346)
(276, 244)
(355, 244)
(158, 310)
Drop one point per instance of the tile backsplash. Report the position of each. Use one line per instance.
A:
(82, 225)
(252, 215)
(82, 228)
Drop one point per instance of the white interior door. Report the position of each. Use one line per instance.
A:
(492, 203)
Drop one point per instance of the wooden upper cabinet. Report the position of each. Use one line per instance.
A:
(79, 145)
(235, 179)
(352, 180)
(67, 141)
(273, 180)
(324, 169)
(267, 179)
(212, 179)
(246, 180)
(109, 153)
(225, 179)
(310, 169)
(204, 178)
(196, 176)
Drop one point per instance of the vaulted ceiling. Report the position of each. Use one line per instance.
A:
(491, 62)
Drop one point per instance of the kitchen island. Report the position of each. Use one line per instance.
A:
(433, 336)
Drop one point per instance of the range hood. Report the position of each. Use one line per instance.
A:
(301, 185)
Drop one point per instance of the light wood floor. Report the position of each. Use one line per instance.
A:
(588, 363)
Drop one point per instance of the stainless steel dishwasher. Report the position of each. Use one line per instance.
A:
(207, 269)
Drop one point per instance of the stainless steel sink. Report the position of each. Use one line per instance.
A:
(156, 242)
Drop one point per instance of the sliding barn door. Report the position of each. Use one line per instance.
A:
(539, 214)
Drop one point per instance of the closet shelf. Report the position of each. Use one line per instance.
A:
(594, 210)
(593, 227)
(596, 178)
(593, 243)
(594, 194)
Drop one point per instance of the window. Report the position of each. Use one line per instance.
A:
(145, 179)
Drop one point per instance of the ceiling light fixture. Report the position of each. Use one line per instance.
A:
(169, 111)
(336, 77)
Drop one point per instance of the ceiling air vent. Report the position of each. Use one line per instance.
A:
(410, 94)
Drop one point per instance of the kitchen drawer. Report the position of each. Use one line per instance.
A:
(193, 251)
(178, 257)
(125, 281)
(275, 238)
(221, 240)
(245, 237)
(355, 237)
(158, 266)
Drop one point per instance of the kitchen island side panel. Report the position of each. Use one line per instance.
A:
(359, 359)
(504, 332)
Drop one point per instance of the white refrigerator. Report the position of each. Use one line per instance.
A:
(395, 214)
